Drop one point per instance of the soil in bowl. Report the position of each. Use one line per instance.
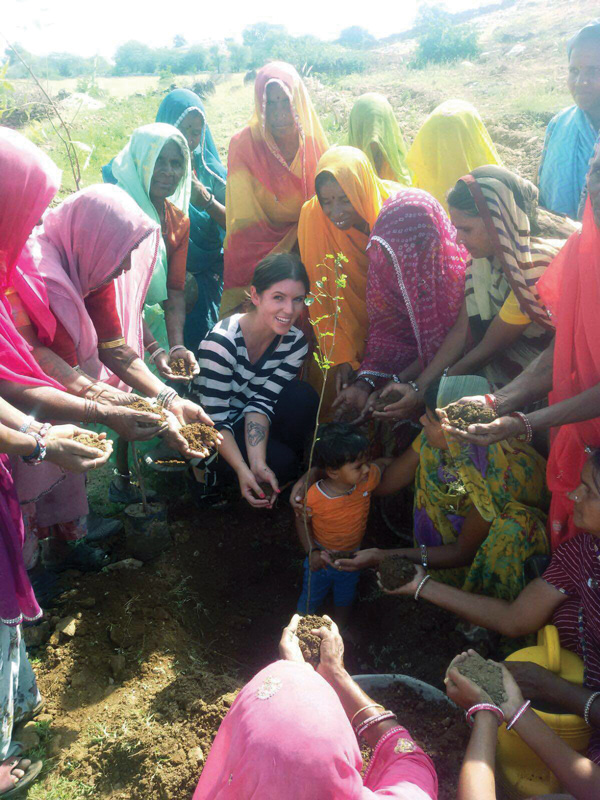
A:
(181, 368)
(485, 674)
(461, 415)
(139, 404)
(310, 643)
(392, 397)
(396, 571)
(200, 436)
(91, 440)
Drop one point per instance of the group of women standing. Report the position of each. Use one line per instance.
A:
(448, 289)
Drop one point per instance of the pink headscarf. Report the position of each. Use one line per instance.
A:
(287, 736)
(80, 248)
(415, 283)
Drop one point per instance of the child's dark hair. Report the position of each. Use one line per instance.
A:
(279, 267)
(338, 443)
(430, 396)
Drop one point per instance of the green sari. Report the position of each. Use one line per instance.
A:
(505, 482)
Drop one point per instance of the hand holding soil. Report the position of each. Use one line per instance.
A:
(181, 368)
(200, 437)
(461, 415)
(402, 399)
(483, 673)
(93, 440)
(141, 404)
(408, 588)
(396, 571)
(310, 642)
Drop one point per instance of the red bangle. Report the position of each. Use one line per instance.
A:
(528, 435)
(492, 401)
(484, 707)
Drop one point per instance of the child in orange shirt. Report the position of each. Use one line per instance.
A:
(340, 504)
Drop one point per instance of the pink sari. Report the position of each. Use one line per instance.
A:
(570, 290)
(80, 248)
(287, 737)
(415, 283)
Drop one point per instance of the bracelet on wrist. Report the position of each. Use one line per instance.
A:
(499, 714)
(421, 585)
(371, 721)
(414, 386)
(176, 347)
(39, 451)
(367, 380)
(518, 715)
(492, 401)
(424, 556)
(150, 348)
(153, 356)
(364, 708)
(26, 424)
(528, 435)
(588, 707)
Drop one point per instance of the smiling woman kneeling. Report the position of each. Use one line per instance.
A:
(248, 363)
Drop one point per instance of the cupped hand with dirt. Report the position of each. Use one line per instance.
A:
(513, 692)
(130, 424)
(173, 437)
(344, 374)
(187, 412)
(319, 559)
(370, 557)
(460, 689)
(263, 474)
(63, 450)
(163, 365)
(353, 398)
(249, 487)
(408, 588)
(400, 409)
(331, 663)
(479, 433)
(289, 644)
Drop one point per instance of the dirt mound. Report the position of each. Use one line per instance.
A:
(485, 674)
(91, 440)
(310, 643)
(200, 436)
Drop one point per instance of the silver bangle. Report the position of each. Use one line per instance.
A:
(366, 380)
(414, 385)
(176, 347)
(424, 556)
(588, 707)
(157, 352)
(26, 424)
(421, 585)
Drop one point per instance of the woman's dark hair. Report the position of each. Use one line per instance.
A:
(322, 178)
(461, 199)
(338, 443)
(279, 267)
(177, 141)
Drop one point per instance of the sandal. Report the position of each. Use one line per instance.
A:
(30, 772)
(84, 558)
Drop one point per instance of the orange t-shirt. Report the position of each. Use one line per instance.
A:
(339, 523)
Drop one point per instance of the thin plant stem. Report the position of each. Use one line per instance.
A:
(68, 143)
(138, 475)
(325, 359)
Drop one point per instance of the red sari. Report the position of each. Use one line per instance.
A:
(570, 289)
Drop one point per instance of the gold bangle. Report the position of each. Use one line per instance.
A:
(110, 345)
(364, 708)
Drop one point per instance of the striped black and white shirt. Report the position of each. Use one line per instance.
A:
(229, 386)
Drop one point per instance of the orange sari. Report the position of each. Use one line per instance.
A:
(264, 194)
(318, 237)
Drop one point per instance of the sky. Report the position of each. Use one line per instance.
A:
(91, 28)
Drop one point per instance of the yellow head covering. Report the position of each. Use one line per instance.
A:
(373, 125)
(452, 142)
(318, 236)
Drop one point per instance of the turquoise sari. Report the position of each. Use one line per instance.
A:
(205, 253)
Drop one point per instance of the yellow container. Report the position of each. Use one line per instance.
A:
(520, 773)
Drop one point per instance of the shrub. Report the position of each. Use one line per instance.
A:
(440, 41)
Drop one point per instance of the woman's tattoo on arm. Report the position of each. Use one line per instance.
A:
(255, 433)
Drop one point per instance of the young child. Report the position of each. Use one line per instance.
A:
(340, 504)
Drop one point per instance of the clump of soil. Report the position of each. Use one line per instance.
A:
(200, 436)
(169, 462)
(393, 397)
(396, 571)
(268, 491)
(335, 554)
(486, 674)
(438, 728)
(348, 414)
(461, 415)
(310, 643)
(92, 440)
(181, 368)
(139, 404)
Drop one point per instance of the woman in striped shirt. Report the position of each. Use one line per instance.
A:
(567, 594)
(248, 363)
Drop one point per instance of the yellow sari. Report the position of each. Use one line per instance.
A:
(452, 142)
(319, 237)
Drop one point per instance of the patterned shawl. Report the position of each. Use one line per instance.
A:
(505, 202)
(415, 284)
(451, 142)
(264, 194)
(373, 128)
(318, 237)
